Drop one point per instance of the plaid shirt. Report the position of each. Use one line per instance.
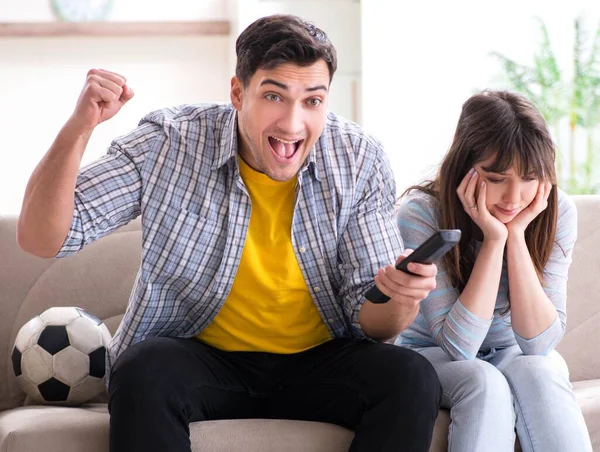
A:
(179, 170)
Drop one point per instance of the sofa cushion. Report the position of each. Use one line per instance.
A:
(588, 396)
(66, 429)
(54, 429)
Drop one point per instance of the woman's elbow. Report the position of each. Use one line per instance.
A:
(457, 353)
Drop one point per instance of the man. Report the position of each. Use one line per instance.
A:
(263, 223)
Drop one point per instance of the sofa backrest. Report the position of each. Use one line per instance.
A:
(99, 279)
(580, 343)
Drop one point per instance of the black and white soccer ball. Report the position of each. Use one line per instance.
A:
(59, 356)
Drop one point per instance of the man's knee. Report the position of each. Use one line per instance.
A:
(410, 374)
(143, 365)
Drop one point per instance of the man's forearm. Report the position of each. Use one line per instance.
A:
(385, 321)
(48, 204)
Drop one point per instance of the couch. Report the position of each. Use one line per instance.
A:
(99, 279)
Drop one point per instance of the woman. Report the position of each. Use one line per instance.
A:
(499, 309)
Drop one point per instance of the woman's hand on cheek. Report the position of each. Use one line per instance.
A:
(492, 228)
(519, 223)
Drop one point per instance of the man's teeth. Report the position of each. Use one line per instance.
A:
(285, 141)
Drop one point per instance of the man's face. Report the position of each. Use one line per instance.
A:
(508, 193)
(281, 114)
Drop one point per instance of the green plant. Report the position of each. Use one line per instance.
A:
(574, 102)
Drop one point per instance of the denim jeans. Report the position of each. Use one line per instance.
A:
(503, 389)
(388, 395)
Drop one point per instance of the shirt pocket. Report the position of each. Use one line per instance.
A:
(183, 245)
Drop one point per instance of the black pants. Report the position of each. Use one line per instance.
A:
(387, 394)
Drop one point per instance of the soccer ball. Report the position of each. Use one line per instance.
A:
(59, 356)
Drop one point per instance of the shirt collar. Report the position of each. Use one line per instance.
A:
(226, 139)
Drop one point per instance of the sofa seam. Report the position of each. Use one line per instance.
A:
(10, 434)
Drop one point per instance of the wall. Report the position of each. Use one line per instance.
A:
(121, 10)
(40, 80)
(422, 60)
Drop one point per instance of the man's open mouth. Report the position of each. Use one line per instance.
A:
(284, 150)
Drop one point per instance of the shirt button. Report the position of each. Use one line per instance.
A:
(302, 249)
(317, 289)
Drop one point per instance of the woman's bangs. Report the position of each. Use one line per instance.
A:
(528, 160)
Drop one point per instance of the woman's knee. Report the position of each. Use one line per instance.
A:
(478, 381)
(536, 371)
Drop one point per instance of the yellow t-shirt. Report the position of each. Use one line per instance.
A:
(269, 308)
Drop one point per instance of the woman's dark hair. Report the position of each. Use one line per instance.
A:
(509, 127)
(274, 40)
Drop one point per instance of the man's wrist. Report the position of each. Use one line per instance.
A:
(386, 320)
(405, 315)
(76, 130)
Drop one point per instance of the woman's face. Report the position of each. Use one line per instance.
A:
(508, 193)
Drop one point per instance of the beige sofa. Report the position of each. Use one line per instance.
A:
(99, 279)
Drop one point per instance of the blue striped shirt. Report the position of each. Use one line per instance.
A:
(179, 170)
(445, 322)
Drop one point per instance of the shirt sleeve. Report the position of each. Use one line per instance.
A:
(371, 239)
(555, 280)
(108, 191)
(453, 327)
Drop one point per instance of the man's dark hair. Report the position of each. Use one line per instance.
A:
(274, 40)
